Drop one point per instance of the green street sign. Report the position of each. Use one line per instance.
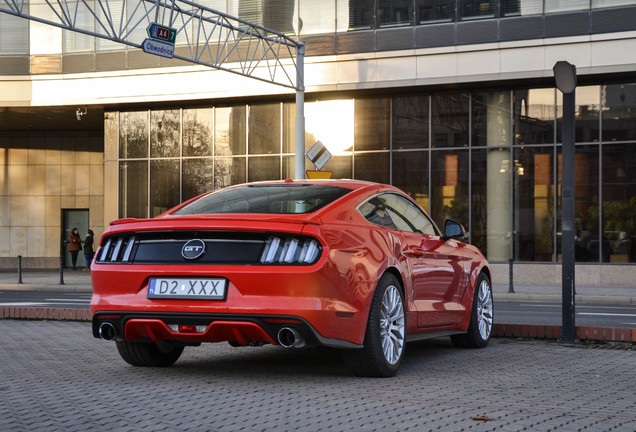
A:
(161, 33)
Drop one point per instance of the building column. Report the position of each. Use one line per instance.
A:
(499, 164)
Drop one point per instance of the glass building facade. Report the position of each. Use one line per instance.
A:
(490, 159)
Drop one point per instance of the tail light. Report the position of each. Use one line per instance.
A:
(291, 250)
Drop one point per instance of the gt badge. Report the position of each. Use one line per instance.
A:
(193, 249)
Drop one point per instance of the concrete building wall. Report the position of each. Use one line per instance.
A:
(42, 174)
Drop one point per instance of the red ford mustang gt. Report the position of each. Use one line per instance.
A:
(340, 263)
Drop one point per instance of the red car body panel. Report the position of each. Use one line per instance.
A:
(331, 296)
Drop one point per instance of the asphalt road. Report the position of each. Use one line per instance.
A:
(54, 376)
(505, 311)
(550, 313)
(44, 299)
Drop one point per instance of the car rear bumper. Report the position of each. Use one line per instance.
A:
(196, 328)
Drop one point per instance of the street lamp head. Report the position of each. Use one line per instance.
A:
(565, 76)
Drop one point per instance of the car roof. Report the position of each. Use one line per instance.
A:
(346, 183)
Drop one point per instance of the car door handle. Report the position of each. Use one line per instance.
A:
(415, 252)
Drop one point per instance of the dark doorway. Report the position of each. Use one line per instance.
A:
(73, 219)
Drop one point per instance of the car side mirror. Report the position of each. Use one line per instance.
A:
(453, 230)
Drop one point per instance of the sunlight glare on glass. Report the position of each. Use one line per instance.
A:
(331, 122)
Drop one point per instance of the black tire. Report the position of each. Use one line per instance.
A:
(384, 340)
(149, 354)
(481, 317)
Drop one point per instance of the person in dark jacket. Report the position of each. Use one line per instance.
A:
(75, 245)
(88, 249)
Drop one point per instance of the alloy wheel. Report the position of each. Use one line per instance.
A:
(484, 309)
(392, 325)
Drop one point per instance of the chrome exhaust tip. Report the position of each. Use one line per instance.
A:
(107, 331)
(289, 337)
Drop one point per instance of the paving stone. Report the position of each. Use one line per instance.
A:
(55, 376)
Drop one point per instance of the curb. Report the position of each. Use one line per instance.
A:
(43, 313)
(583, 333)
(503, 330)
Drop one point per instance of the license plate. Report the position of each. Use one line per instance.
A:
(185, 288)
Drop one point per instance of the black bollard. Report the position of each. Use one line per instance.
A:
(19, 269)
(61, 270)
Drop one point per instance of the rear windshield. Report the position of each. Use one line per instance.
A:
(275, 199)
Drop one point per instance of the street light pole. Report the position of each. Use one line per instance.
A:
(565, 76)
(299, 150)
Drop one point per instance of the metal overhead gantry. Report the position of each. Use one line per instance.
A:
(203, 36)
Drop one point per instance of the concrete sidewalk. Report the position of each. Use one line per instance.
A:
(80, 281)
(585, 294)
(47, 280)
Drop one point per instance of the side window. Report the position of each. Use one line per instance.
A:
(375, 212)
(406, 215)
(394, 211)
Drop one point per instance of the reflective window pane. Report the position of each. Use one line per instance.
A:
(355, 14)
(133, 189)
(289, 127)
(264, 129)
(410, 122)
(586, 172)
(410, 173)
(228, 171)
(332, 123)
(534, 114)
(587, 114)
(491, 119)
(521, 7)
(434, 11)
(555, 6)
(477, 9)
(82, 18)
(450, 120)
(316, 16)
(395, 12)
(230, 130)
(197, 177)
(198, 129)
(164, 133)
(278, 15)
(373, 167)
(372, 124)
(165, 180)
(619, 203)
(133, 134)
(449, 194)
(490, 212)
(619, 112)
(263, 168)
(534, 203)
(597, 4)
(16, 32)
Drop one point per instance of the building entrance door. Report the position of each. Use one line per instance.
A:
(73, 219)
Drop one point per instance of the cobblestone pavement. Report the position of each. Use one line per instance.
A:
(55, 376)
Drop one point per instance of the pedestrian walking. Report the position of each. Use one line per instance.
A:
(75, 245)
(88, 249)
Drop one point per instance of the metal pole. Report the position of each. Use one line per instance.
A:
(61, 269)
(299, 171)
(19, 269)
(567, 219)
